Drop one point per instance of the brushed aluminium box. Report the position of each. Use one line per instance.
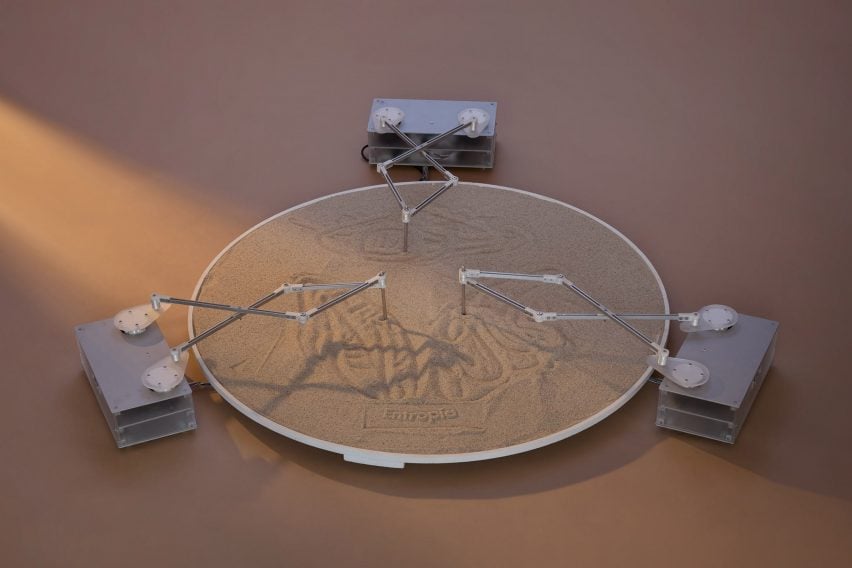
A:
(738, 359)
(424, 119)
(114, 363)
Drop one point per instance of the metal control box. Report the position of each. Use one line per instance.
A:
(425, 119)
(738, 359)
(114, 363)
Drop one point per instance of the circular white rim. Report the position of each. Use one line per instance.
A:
(391, 459)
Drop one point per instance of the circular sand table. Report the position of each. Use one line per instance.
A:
(428, 384)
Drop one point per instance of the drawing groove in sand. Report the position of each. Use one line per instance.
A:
(378, 238)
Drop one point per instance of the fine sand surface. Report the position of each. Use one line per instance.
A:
(429, 380)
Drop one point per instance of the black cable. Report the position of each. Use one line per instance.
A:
(424, 170)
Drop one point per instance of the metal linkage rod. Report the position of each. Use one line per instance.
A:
(557, 316)
(308, 287)
(420, 147)
(463, 281)
(281, 290)
(399, 199)
(614, 317)
(226, 307)
(432, 161)
(409, 212)
(226, 322)
(405, 234)
(378, 281)
(683, 372)
(656, 317)
(168, 372)
(420, 206)
(341, 298)
(546, 278)
(498, 296)
(468, 277)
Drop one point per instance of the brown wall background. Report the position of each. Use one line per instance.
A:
(137, 139)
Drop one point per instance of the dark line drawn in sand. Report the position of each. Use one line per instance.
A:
(378, 238)
(452, 362)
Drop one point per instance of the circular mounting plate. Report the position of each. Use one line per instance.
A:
(165, 374)
(428, 385)
(683, 372)
(385, 116)
(718, 317)
(135, 320)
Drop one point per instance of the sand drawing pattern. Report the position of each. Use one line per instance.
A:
(378, 238)
(453, 361)
(426, 380)
(383, 361)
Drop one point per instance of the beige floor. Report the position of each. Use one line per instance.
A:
(137, 140)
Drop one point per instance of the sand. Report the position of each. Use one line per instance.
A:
(429, 380)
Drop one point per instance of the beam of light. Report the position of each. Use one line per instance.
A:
(76, 222)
